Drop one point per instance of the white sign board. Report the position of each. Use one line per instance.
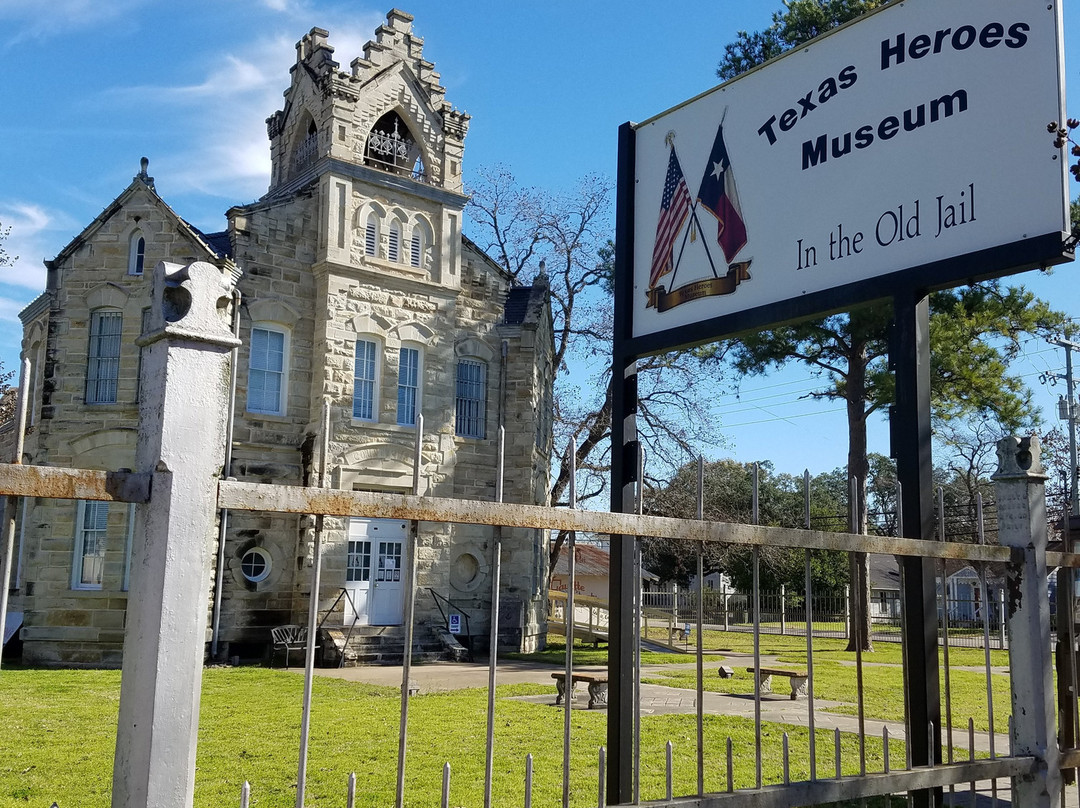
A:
(913, 136)
(455, 624)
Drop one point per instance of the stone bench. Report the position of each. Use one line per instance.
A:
(764, 680)
(597, 683)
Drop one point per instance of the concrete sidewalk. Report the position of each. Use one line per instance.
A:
(659, 700)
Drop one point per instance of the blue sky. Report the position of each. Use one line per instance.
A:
(92, 87)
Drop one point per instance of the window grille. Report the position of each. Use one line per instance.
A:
(471, 398)
(103, 366)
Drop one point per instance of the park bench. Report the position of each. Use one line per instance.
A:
(288, 639)
(764, 680)
(597, 682)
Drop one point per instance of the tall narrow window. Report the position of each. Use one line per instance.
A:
(91, 527)
(471, 399)
(266, 373)
(393, 243)
(416, 248)
(371, 235)
(103, 365)
(363, 406)
(137, 254)
(408, 385)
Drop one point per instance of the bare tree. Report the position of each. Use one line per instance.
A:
(526, 228)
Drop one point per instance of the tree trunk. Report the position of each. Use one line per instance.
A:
(858, 469)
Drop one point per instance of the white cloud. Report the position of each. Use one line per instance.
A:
(227, 153)
(40, 21)
(36, 234)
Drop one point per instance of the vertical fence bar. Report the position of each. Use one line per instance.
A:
(984, 591)
(245, 794)
(570, 624)
(756, 558)
(809, 610)
(493, 641)
(528, 780)
(313, 618)
(945, 630)
(445, 801)
(638, 614)
(859, 623)
(730, 768)
(600, 777)
(668, 789)
(350, 794)
(410, 611)
(700, 668)
(11, 503)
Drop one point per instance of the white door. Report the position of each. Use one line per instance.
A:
(375, 572)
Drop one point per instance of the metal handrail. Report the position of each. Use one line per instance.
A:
(439, 600)
(342, 593)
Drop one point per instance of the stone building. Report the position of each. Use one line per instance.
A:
(358, 287)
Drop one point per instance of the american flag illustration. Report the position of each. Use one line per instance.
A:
(674, 208)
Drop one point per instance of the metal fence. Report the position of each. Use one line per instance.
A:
(670, 614)
(801, 755)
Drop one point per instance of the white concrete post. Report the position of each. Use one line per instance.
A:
(1021, 500)
(181, 442)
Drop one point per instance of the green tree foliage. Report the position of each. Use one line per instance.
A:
(728, 497)
(975, 331)
(798, 22)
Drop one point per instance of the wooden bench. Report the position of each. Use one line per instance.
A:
(764, 680)
(597, 682)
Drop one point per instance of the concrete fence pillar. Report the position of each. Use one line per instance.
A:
(184, 390)
(1021, 501)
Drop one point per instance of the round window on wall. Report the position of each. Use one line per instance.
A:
(255, 565)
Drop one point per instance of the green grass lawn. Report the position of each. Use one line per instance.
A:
(59, 737)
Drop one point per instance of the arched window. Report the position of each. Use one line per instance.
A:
(366, 380)
(392, 147)
(136, 253)
(393, 244)
(409, 366)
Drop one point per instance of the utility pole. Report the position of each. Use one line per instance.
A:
(1068, 412)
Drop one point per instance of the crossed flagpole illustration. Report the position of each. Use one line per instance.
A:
(717, 193)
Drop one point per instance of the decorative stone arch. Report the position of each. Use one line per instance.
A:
(368, 227)
(373, 324)
(413, 332)
(392, 145)
(273, 310)
(382, 466)
(104, 449)
(107, 296)
(473, 348)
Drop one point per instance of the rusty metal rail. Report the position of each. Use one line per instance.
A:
(294, 499)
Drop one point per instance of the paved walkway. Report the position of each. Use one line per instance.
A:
(660, 699)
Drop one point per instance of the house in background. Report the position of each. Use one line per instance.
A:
(358, 287)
